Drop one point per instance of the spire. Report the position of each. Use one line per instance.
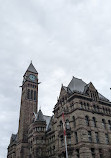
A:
(31, 68)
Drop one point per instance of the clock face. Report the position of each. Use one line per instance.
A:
(32, 77)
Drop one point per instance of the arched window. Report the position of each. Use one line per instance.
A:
(74, 122)
(87, 120)
(31, 94)
(28, 94)
(94, 121)
(67, 124)
(35, 95)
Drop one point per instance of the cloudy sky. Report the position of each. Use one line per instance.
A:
(63, 38)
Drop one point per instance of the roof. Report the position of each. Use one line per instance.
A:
(39, 116)
(31, 68)
(47, 119)
(78, 85)
(13, 138)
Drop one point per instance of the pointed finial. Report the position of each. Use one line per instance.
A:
(31, 62)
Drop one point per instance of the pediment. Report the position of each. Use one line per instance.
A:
(89, 87)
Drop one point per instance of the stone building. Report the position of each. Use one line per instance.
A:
(87, 119)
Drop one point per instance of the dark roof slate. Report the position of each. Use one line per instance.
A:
(40, 117)
(78, 85)
(31, 68)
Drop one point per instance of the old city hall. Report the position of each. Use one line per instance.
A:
(87, 122)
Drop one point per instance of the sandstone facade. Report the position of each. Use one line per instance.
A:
(87, 119)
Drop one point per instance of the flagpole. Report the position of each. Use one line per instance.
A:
(63, 119)
(66, 147)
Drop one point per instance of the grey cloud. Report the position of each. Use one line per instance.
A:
(63, 38)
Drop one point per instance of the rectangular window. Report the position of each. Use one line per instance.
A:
(74, 122)
(62, 141)
(103, 123)
(97, 137)
(87, 120)
(100, 153)
(89, 136)
(76, 137)
(94, 121)
(77, 153)
(93, 152)
(68, 139)
(109, 124)
(107, 138)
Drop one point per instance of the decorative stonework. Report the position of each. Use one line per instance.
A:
(88, 123)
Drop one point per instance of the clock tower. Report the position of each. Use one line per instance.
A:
(29, 106)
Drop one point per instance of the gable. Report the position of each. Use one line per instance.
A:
(63, 92)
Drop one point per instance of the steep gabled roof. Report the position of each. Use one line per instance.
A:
(77, 85)
(31, 68)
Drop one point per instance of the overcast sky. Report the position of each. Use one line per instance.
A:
(63, 38)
